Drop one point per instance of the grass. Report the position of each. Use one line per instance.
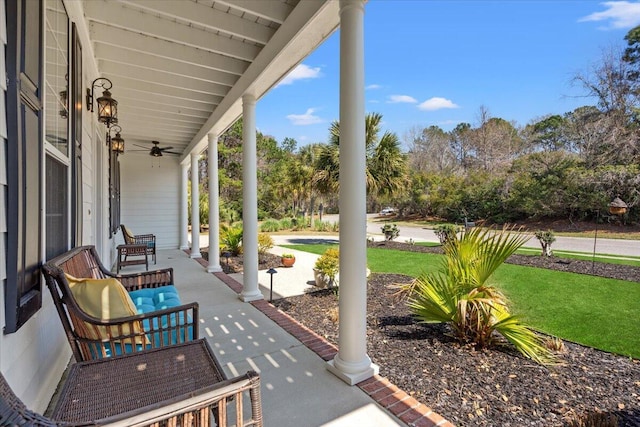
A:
(590, 310)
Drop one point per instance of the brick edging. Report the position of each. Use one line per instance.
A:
(380, 389)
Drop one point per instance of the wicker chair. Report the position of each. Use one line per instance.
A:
(194, 410)
(160, 328)
(149, 240)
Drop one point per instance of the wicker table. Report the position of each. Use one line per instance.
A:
(103, 388)
(138, 251)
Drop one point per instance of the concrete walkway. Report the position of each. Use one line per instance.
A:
(297, 389)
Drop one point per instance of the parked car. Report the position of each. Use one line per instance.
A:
(387, 211)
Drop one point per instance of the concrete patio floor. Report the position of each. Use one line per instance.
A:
(297, 388)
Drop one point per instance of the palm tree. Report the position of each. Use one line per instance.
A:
(459, 293)
(386, 165)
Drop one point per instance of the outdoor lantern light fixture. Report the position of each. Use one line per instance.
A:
(107, 106)
(116, 143)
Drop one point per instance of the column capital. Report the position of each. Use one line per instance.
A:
(195, 156)
(248, 98)
(351, 4)
(212, 136)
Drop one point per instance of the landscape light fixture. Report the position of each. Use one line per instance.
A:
(227, 255)
(271, 272)
(116, 143)
(107, 106)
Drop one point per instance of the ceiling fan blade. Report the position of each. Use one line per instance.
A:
(166, 148)
(172, 152)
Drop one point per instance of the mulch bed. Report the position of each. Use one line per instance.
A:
(490, 387)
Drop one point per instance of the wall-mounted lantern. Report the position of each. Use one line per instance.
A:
(116, 143)
(107, 106)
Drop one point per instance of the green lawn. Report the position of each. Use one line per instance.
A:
(598, 312)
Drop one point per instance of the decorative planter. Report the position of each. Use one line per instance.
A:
(288, 262)
(322, 280)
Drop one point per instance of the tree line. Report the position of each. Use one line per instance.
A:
(557, 166)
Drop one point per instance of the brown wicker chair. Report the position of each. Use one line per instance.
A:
(160, 328)
(149, 240)
(193, 410)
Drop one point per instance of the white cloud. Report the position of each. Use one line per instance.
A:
(308, 118)
(437, 103)
(301, 72)
(373, 86)
(394, 99)
(621, 14)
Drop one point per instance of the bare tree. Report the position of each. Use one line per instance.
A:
(430, 150)
(617, 103)
(495, 141)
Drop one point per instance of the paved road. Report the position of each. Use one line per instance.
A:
(580, 244)
(421, 234)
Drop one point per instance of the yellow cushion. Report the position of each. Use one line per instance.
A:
(129, 232)
(105, 299)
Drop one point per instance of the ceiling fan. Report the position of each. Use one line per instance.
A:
(155, 150)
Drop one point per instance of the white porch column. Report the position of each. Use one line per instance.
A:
(184, 208)
(214, 206)
(250, 291)
(352, 364)
(195, 207)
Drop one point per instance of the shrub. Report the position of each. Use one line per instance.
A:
(446, 232)
(329, 264)
(286, 224)
(270, 225)
(391, 231)
(459, 293)
(320, 225)
(231, 238)
(265, 242)
(546, 238)
(287, 255)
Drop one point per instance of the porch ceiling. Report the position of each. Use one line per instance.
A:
(180, 67)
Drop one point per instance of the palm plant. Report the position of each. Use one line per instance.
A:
(231, 238)
(459, 293)
(386, 166)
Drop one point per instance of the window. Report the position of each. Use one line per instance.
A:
(56, 131)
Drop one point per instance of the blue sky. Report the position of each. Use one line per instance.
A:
(436, 62)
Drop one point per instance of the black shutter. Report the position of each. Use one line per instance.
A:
(23, 296)
(76, 137)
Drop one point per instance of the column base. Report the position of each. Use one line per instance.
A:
(214, 269)
(184, 247)
(250, 296)
(355, 377)
(195, 255)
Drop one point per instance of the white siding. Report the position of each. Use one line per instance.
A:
(88, 194)
(150, 197)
